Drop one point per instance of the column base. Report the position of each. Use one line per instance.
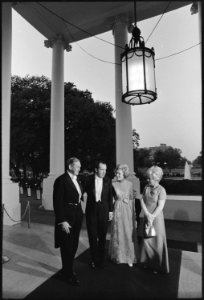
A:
(11, 202)
(47, 195)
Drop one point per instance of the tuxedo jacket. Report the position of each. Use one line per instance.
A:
(106, 194)
(65, 195)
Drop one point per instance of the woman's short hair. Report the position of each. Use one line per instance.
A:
(124, 168)
(155, 172)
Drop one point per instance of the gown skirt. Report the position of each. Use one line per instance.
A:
(122, 248)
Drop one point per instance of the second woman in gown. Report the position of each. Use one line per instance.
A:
(122, 240)
(154, 252)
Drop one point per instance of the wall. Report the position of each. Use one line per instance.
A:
(183, 208)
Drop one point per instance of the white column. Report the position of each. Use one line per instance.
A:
(200, 26)
(124, 146)
(57, 147)
(10, 190)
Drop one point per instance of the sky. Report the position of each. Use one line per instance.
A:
(174, 118)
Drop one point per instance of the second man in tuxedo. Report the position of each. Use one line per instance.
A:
(99, 209)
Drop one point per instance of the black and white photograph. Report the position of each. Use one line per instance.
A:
(101, 150)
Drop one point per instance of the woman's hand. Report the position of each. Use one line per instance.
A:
(150, 219)
(110, 215)
(125, 200)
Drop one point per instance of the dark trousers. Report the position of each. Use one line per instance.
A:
(97, 227)
(69, 247)
(137, 209)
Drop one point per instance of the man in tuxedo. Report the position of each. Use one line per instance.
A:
(99, 209)
(67, 196)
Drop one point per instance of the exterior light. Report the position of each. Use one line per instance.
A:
(138, 71)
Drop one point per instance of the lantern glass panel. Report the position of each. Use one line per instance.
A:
(124, 76)
(135, 71)
(150, 74)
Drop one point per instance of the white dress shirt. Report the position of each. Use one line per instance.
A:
(74, 179)
(98, 187)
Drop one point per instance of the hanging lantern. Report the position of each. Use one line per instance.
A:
(138, 71)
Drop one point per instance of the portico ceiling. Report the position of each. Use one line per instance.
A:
(74, 21)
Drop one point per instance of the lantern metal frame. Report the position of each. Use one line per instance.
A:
(137, 47)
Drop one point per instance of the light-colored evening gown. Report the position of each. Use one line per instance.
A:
(154, 252)
(123, 232)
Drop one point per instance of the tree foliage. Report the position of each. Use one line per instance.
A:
(171, 158)
(89, 125)
(30, 113)
(89, 128)
(135, 139)
(142, 158)
(166, 158)
(198, 160)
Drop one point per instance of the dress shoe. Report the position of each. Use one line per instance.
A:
(62, 273)
(72, 280)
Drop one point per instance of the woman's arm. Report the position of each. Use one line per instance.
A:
(148, 215)
(131, 197)
(159, 207)
(161, 203)
(143, 206)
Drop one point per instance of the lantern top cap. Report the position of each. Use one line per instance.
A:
(136, 32)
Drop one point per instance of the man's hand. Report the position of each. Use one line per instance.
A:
(85, 196)
(134, 194)
(66, 227)
(110, 216)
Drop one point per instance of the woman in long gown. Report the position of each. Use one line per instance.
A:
(154, 252)
(122, 240)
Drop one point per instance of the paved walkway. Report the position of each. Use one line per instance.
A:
(33, 259)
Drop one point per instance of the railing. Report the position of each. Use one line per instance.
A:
(27, 209)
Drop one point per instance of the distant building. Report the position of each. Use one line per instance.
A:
(161, 147)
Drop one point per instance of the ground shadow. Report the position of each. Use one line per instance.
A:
(113, 282)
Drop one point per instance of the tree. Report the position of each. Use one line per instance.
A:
(171, 157)
(142, 158)
(30, 111)
(135, 139)
(166, 158)
(89, 125)
(198, 160)
(90, 128)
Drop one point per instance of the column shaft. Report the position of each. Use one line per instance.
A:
(57, 157)
(200, 26)
(10, 190)
(6, 87)
(57, 110)
(124, 146)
